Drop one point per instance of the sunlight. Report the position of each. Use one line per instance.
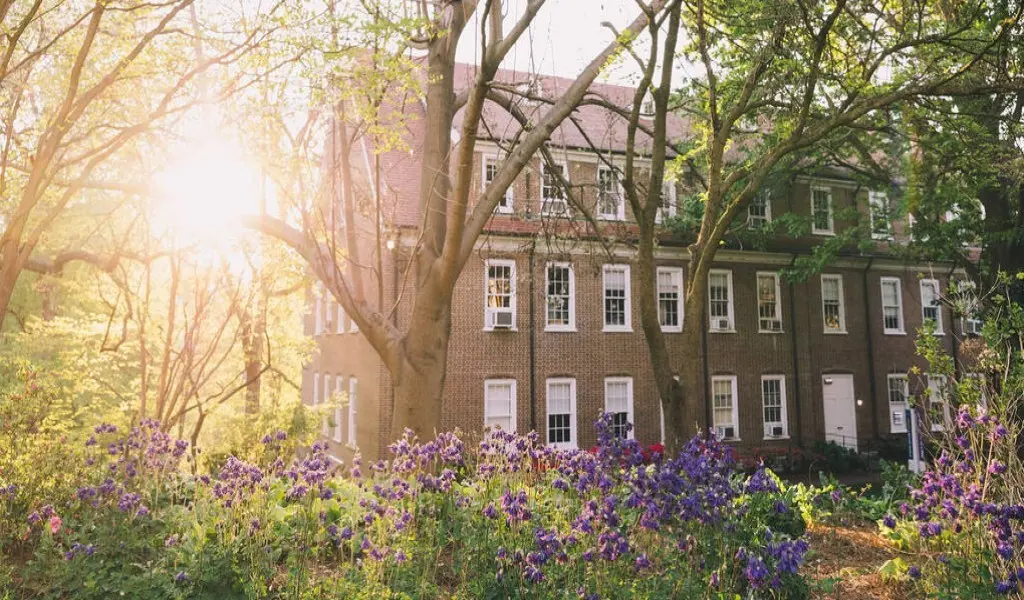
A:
(204, 190)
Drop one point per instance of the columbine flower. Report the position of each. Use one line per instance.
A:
(914, 572)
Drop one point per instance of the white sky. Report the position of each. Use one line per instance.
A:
(564, 37)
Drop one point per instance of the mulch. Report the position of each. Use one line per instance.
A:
(844, 562)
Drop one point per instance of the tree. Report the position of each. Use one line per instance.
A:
(774, 80)
(74, 110)
(450, 228)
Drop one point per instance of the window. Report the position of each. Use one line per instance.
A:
(723, 407)
(340, 324)
(318, 309)
(759, 211)
(773, 401)
(616, 298)
(833, 308)
(561, 297)
(769, 311)
(892, 305)
(609, 195)
(339, 389)
(330, 314)
(938, 403)
(898, 395)
(353, 388)
(491, 166)
(500, 295)
(552, 193)
(969, 306)
(618, 401)
(670, 298)
(821, 211)
(720, 300)
(931, 307)
(972, 325)
(878, 203)
(316, 389)
(562, 413)
(500, 404)
(667, 204)
(325, 427)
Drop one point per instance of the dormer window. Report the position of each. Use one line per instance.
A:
(879, 212)
(759, 211)
(822, 222)
(609, 195)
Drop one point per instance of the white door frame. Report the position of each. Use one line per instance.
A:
(843, 430)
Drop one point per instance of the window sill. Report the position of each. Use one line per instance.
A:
(617, 329)
(894, 332)
(610, 218)
(673, 329)
(898, 432)
(823, 232)
(770, 438)
(730, 330)
(771, 331)
(352, 446)
(835, 332)
(492, 329)
(559, 329)
(503, 211)
(732, 440)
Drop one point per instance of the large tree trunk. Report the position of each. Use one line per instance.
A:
(419, 378)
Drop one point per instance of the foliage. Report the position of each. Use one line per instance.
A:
(508, 519)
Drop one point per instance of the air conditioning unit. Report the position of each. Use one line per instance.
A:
(501, 319)
(771, 324)
(724, 433)
(720, 324)
(777, 431)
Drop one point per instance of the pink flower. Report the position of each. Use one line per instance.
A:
(55, 523)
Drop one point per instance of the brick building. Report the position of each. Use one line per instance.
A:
(546, 332)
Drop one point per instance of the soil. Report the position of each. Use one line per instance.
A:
(843, 563)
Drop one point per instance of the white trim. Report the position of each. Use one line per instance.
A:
(842, 304)
(620, 206)
(485, 161)
(316, 389)
(676, 274)
(339, 389)
(339, 327)
(572, 443)
(353, 389)
(936, 303)
(831, 230)
(833, 182)
(712, 326)
(735, 423)
(573, 155)
(545, 201)
(897, 416)
(628, 325)
(629, 401)
(936, 385)
(901, 330)
(879, 200)
(763, 194)
(325, 428)
(489, 312)
(318, 310)
(571, 326)
(511, 383)
(783, 414)
(778, 301)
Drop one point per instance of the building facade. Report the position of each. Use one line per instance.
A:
(546, 332)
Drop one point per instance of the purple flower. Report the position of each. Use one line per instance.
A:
(914, 571)
(889, 521)
(182, 576)
(642, 562)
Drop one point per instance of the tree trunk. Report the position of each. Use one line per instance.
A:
(419, 379)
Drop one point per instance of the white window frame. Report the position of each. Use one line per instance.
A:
(339, 389)
(490, 311)
(938, 304)
(620, 205)
(765, 197)
(571, 326)
(339, 327)
(735, 424)
(831, 211)
(545, 203)
(571, 382)
(353, 389)
(316, 389)
(901, 329)
(879, 200)
(842, 304)
(629, 401)
(731, 295)
(936, 383)
(897, 410)
(778, 301)
(488, 384)
(783, 413)
(325, 427)
(668, 188)
(318, 308)
(676, 273)
(505, 206)
(628, 325)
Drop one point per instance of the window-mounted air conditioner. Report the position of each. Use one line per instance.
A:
(720, 324)
(724, 433)
(501, 319)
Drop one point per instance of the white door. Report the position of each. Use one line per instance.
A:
(840, 410)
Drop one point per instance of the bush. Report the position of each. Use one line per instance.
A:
(836, 458)
(509, 518)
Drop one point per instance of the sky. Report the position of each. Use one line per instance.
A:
(564, 37)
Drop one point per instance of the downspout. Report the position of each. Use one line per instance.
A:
(871, 352)
(796, 362)
(533, 344)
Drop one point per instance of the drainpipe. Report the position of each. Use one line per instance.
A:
(533, 344)
(871, 352)
(796, 362)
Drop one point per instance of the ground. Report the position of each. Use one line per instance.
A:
(845, 561)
